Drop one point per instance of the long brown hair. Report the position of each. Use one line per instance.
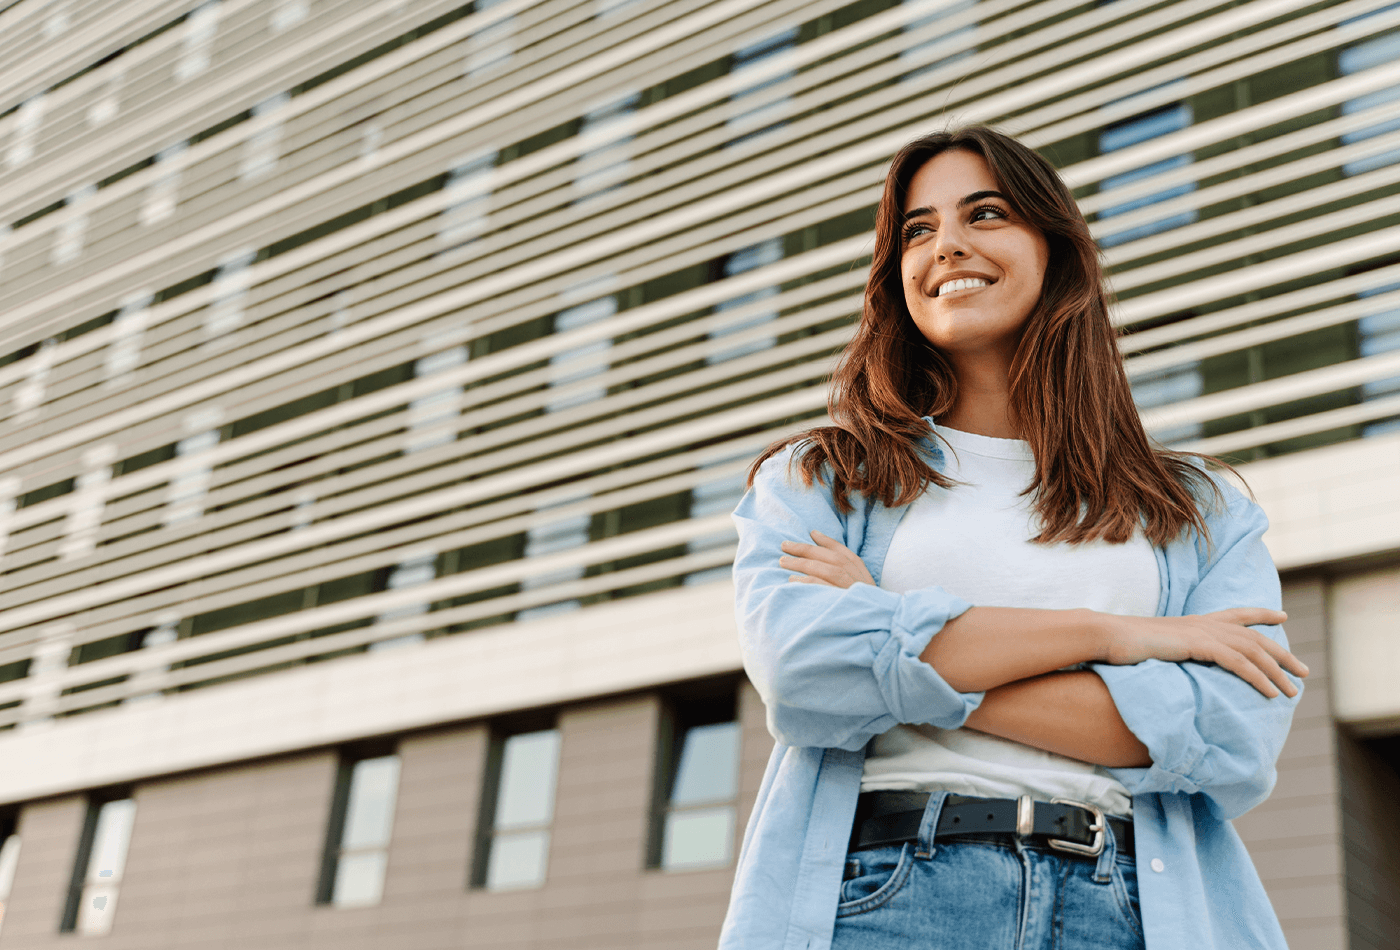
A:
(1097, 476)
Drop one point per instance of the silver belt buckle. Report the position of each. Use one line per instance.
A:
(1060, 844)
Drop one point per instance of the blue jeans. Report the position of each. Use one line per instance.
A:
(989, 892)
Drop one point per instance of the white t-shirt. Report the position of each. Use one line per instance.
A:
(973, 540)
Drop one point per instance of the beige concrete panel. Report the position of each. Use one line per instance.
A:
(214, 850)
(49, 831)
(435, 822)
(1294, 838)
(602, 810)
(1365, 624)
(1331, 503)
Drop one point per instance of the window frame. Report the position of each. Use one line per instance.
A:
(493, 775)
(78, 881)
(332, 850)
(683, 707)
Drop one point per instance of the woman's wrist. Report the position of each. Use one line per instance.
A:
(1098, 634)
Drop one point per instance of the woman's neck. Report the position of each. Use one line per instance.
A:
(983, 406)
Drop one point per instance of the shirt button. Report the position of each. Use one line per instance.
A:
(1158, 866)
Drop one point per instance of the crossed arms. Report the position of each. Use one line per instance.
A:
(1193, 703)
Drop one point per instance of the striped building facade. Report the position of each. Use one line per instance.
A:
(377, 376)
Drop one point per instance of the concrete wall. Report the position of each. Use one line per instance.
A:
(229, 858)
(1295, 836)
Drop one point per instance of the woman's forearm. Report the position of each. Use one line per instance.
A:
(986, 647)
(1068, 713)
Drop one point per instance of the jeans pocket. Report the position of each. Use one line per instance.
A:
(883, 871)
(1125, 888)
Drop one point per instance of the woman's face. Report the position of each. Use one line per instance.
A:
(972, 269)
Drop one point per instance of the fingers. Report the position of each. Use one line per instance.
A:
(1255, 661)
(810, 566)
(1247, 616)
(1264, 661)
(1246, 670)
(1281, 656)
(827, 561)
(799, 549)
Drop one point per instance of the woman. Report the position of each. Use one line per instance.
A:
(1016, 773)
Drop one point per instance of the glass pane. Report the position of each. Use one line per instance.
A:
(526, 795)
(97, 908)
(369, 815)
(518, 860)
(109, 843)
(699, 838)
(709, 764)
(359, 878)
(1133, 131)
(9, 857)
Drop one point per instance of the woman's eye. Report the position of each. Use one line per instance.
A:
(912, 231)
(988, 213)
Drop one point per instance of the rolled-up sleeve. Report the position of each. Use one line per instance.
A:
(834, 667)
(1207, 730)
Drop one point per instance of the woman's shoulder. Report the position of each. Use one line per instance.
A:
(1229, 511)
(796, 478)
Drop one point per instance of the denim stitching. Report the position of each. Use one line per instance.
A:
(1057, 927)
(898, 878)
(1120, 891)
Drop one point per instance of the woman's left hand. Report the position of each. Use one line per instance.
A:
(827, 562)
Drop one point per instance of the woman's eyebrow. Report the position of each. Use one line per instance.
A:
(979, 195)
(963, 203)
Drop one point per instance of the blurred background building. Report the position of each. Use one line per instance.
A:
(376, 378)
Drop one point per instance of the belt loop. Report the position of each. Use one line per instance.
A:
(1103, 870)
(929, 824)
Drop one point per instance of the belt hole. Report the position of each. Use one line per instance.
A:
(956, 819)
(990, 816)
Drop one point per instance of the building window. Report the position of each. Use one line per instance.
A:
(1379, 333)
(716, 496)
(97, 872)
(469, 184)
(751, 313)
(938, 50)
(1164, 387)
(517, 808)
(697, 782)
(9, 858)
(1130, 132)
(1375, 52)
(576, 374)
(606, 161)
(749, 121)
(362, 818)
(491, 47)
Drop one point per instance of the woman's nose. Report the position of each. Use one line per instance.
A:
(951, 245)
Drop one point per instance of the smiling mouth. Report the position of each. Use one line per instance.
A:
(961, 284)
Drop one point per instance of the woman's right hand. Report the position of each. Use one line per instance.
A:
(1223, 638)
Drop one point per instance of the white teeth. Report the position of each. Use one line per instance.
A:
(963, 283)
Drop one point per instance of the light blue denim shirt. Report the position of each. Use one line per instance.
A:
(838, 667)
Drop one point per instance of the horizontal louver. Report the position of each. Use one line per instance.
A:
(323, 328)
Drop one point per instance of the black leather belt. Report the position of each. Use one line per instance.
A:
(885, 818)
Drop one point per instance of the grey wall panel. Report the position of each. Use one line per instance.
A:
(1295, 836)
